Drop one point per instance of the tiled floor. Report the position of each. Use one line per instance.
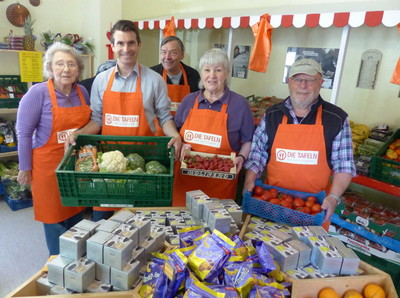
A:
(23, 250)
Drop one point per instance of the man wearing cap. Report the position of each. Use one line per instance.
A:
(304, 141)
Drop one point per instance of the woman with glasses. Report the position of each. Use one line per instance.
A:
(47, 114)
(303, 141)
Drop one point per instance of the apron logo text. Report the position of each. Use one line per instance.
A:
(62, 136)
(201, 138)
(300, 157)
(122, 120)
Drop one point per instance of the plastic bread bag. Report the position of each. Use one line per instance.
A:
(228, 291)
(155, 282)
(199, 240)
(197, 289)
(208, 259)
(176, 270)
(268, 292)
(240, 276)
(265, 258)
(187, 235)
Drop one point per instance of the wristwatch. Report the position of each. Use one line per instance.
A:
(336, 197)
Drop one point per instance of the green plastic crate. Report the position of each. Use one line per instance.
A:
(11, 91)
(384, 169)
(118, 189)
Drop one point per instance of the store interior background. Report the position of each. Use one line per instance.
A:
(93, 18)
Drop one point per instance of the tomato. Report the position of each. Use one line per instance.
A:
(310, 204)
(275, 201)
(298, 202)
(289, 199)
(286, 204)
(257, 197)
(311, 199)
(274, 192)
(307, 210)
(267, 195)
(316, 208)
(258, 190)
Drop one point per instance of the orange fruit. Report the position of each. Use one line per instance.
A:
(352, 294)
(328, 293)
(374, 291)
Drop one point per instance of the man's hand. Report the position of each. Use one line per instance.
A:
(329, 205)
(249, 181)
(177, 143)
(24, 177)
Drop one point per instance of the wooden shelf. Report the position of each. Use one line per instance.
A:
(8, 111)
(378, 185)
(8, 154)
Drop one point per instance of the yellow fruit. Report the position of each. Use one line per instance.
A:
(374, 291)
(1, 139)
(352, 294)
(328, 293)
(12, 144)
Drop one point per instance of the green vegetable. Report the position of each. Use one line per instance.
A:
(85, 166)
(3, 169)
(154, 167)
(135, 161)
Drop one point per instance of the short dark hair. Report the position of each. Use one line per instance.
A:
(174, 38)
(124, 26)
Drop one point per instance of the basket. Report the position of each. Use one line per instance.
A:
(384, 169)
(281, 214)
(17, 204)
(11, 91)
(4, 148)
(117, 189)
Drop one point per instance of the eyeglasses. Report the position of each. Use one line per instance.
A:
(298, 81)
(62, 65)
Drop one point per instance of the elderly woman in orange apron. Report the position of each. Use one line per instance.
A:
(47, 113)
(218, 111)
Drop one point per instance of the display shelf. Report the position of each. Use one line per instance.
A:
(9, 154)
(378, 185)
(8, 111)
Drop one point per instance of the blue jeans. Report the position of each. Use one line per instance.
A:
(53, 232)
(98, 215)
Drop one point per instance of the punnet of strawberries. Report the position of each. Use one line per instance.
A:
(210, 163)
(307, 205)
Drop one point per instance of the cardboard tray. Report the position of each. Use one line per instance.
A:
(28, 289)
(309, 288)
(207, 173)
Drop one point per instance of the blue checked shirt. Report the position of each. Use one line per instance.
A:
(342, 157)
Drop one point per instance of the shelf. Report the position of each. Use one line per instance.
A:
(17, 51)
(9, 154)
(8, 111)
(378, 185)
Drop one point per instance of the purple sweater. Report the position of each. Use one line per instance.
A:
(240, 119)
(34, 119)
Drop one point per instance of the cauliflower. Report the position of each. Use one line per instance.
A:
(113, 161)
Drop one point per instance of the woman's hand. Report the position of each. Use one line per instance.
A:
(183, 150)
(238, 162)
(24, 177)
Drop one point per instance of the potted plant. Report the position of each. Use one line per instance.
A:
(48, 38)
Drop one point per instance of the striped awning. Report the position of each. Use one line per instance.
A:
(388, 18)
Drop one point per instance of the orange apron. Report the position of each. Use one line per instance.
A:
(298, 157)
(204, 122)
(45, 159)
(123, 115)
(176, 93)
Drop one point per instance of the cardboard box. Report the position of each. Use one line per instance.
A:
(207, 173)
(79, 275)
(73, 243)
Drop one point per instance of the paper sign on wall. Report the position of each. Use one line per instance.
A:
(30, 66)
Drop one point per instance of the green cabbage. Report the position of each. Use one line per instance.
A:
(135, 161)
(154, 167)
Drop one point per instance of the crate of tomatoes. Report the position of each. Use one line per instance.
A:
(284, 205)
(208, 165)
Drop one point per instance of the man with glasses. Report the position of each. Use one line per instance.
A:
(181, 79)
(303, 141)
